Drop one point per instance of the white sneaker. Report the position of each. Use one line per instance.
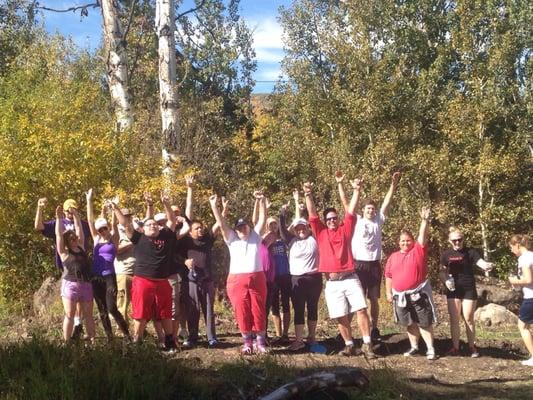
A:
(430, 355)
(528, 363)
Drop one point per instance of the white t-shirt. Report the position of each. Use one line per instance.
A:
(526, 261)
(245, 256)
(366, 240)
(303, 256)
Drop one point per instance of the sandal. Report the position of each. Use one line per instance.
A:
(246, 350)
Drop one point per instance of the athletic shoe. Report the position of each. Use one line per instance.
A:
(430, 355)
(260, 348)
(297, 345)
(183, 334)
(348, 351)
(368, 352)
(474, 352)
(188, 344)
(77, 332)
(247, 350)
(375, 335)
(212, 343)
(528, 363)
(454, 352)
(411, 352)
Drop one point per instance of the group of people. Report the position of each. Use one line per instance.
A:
(160, 260)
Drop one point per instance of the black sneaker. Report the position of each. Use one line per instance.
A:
(375, 335)
(77, 332)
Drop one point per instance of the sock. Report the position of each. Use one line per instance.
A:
(366, 339)
(77, 321)
(431, 350)
(348, 342)
(247, 337)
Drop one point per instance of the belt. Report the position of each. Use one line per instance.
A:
(340, 276)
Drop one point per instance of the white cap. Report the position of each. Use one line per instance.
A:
(100, 223)
(160, 217)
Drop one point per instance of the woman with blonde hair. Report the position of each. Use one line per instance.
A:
(457, 273)
(519, 245)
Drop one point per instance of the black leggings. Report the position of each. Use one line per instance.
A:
(306, 289)
(105, 295)
(281, 287)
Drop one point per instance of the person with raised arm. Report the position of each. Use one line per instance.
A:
(151, 292)
(366, 246)
(76, 285)
(520, 247)
(246, 284)
(343, 292)
(47, 228)
(306, 280)
(457, 274)
(409, 289)
(104, 280)
(195, 248)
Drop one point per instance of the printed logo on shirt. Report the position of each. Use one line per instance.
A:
(456, 258)
(158, 243)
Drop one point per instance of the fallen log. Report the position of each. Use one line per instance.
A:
(340, 377)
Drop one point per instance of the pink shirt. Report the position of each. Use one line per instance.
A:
(334, 246)
(407, 270)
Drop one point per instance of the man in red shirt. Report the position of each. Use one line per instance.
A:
(343, 292)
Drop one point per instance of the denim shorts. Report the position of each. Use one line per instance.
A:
(526, 311)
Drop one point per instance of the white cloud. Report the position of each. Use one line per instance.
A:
(267, 34)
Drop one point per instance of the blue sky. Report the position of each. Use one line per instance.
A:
(261, 17)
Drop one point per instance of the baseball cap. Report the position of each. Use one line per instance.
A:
(70, 203)
(240, 222)
(100, 223)
(125, 211)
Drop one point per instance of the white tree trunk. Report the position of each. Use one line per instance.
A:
(168, 99)
(117, 65)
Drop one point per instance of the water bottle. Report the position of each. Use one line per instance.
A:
(450, 283)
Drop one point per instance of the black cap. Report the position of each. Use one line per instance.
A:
(240, 222)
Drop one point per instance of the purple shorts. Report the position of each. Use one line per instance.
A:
(76, 291)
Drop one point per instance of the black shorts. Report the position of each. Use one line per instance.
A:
(526, 311)
(465, 290)
(419, 311)
(369, 273)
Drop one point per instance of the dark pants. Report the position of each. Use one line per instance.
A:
(105, 295)
(201, 297)
(306, 289)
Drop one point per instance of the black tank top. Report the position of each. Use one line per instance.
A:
(77, 267)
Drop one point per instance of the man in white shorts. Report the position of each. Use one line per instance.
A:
(344, 295)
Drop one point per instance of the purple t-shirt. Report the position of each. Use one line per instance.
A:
(50, 232)
(103, 257)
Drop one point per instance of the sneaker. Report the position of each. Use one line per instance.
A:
(188, 344)
(368, 352)
(77, 332)
(411, 352)
(183, 334)
(297, 345)
(348, 351)
(474, 352)
(430, 355)
(246, 349)
(375, 335)
(454, 352)
(212, 343)
(527, 363)
(260, 348)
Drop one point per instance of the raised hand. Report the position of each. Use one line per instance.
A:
(148, 198)
(296, 195)
(339, 176)
(41, 203)
(357, 183)
(425, 213)
(213, 200)
(60, 214)
(225, 202)
(89, 194)
(258, 194)
(165, 196)
(308, 187)
(396, 177)
(267, 203)
(189, 180)
(115, 200)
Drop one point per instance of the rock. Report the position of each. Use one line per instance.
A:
(494, 315)
(498, 294)
(47, 294)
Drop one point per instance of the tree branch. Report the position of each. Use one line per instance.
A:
(191, 10)
(83, 8)
(130, 19)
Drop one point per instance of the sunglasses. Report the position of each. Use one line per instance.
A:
(456, 240)
(332, 219)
